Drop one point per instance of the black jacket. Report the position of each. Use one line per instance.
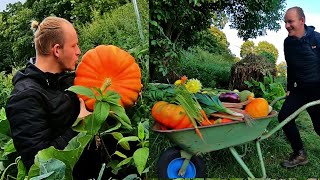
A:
(303, 60)
(41, 112)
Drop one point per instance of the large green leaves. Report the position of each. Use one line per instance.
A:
(69, 156)
(82, 90)
(140, 158)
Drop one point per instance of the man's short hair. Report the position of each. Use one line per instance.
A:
(299, 11)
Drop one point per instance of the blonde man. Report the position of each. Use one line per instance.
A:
(39, 109)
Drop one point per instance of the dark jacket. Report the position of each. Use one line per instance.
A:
(41, 112)
(303, 60)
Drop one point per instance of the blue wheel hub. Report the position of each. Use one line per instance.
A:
(175, 165)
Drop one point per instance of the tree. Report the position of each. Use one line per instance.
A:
(175, 23)
(16, 36)
(253, 17)
(212, 40)
(264, 48)
(282, 69)
(219, 36)
(268, 50)
(247, 48)
(181, 18)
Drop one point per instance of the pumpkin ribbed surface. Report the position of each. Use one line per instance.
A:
(110, 64)
(170, 115)
(258, 107)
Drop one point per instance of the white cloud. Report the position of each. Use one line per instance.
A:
(275, 38)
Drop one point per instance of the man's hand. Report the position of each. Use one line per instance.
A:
(83, 110)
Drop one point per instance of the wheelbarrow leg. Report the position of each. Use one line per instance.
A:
(240, 161)
(264, 175)
(187, 156)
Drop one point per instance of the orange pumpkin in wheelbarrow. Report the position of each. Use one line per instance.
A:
(170, 115)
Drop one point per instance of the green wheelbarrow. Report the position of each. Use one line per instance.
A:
(183, 162)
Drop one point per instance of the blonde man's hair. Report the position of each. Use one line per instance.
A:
(48, 33)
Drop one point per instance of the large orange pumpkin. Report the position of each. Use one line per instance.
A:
(258, 107)
(170, 115)
(113, 65)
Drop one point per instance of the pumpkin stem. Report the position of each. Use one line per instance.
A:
(106, 83)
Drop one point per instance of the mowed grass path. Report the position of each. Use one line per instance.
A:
(221, 164)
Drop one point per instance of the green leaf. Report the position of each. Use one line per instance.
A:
(3, 114)
(125, 161)
(22, 171)
(82, 90)
(9, 148)
(140, 157)
(101, 111)
(140, 131)
(112, 98)
(131, 177)
(154, 23)
(88, 124)
(117, 126)
(120, 154)
(4, 124)
(98, 90)
(78, 120)
(124, 144)
(69, 155)
(43, 176)
(54, 166)
(129, 138)
(121, 112)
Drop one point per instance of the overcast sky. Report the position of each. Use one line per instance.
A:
(3, 3)
(311, 11)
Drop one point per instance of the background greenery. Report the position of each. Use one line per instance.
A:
(185, 39)
(97, 22)
(181, 37)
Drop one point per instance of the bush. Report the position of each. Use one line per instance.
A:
(6, 87)
(211, 69)
(119, 28)
(251, 67)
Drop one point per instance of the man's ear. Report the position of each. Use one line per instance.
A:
(303, 20)
(56, 50)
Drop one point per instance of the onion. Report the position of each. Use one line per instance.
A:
(229, 97)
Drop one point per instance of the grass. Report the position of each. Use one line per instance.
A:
(221, 163)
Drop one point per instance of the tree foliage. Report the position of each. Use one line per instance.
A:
(117, 26)
(16, 38)
(212, 40)
(282, 69)
(268, 50)
(247, 48)
(175, 23)
(180, 18)
(76, 11)
(264, 48)
(253, 17)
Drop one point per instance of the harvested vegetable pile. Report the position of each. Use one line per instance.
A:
(191, 106)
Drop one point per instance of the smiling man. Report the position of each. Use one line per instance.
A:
(302, 54)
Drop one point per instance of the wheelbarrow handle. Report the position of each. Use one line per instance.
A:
(289, 118)
(276, 100)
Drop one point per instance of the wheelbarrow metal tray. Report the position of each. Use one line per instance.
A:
(217, 136)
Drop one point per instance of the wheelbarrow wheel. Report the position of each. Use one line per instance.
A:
(170, 163)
